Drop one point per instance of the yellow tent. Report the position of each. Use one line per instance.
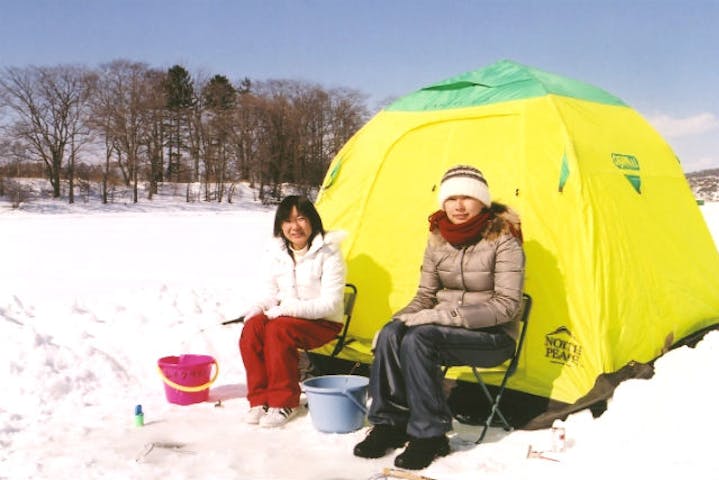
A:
(619, 260)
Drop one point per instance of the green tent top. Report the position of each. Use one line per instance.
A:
(500, 82)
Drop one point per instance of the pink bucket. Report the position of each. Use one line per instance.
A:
(187, 377)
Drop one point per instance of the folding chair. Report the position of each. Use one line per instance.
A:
(315, 363)
(349, 299)
(511, 368)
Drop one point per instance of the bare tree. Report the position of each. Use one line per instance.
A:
(161, 125)
(244, 135)
(348, 112)
(300, 127)
(156, 134)
(275, 136)
(79, 131)
(12, 155)
(101, 119)
(43, 102)
(121, 110)
(312, 108)
(242, 138)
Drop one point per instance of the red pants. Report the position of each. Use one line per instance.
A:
(269, 351)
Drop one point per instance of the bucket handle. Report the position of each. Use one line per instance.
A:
(354, 400)
(184, 388)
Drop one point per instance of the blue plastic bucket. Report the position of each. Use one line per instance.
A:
(337, 402)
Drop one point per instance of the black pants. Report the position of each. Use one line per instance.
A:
(406, 375)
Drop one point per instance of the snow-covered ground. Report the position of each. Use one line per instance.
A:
(91, 297)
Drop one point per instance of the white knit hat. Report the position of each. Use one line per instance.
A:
(464, 180)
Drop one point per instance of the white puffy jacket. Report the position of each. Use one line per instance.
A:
(313, 287)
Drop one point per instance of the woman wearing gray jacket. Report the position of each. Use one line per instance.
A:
(464, 311)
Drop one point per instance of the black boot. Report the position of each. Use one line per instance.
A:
(421, 452)
(380, 439)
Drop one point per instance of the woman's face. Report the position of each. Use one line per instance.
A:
(460, 209)
(297, 229)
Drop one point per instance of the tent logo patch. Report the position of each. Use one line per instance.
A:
(561, 347)
(630, 165)
(332, 175)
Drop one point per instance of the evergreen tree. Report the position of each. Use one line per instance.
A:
(179, 100)
(219, 94)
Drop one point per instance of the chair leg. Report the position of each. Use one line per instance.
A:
(481, 436)
(495, 407)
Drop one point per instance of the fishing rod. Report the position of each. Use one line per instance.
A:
(240, 319)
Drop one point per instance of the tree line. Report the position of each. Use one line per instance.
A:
(126, 123)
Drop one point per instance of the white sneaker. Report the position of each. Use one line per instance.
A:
(277, 417)
(255, 414)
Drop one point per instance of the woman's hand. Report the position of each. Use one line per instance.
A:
(287, 308)
(251, 313)
(423, 317)
(274, 312)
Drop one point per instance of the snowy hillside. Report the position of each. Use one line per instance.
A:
(705, 184)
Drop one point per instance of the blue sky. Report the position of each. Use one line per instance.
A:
(659, 56)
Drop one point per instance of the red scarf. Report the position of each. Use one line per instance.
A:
(460, 234)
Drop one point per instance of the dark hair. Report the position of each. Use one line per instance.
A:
(305, 208)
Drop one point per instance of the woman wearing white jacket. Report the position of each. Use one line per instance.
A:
(302, 308)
